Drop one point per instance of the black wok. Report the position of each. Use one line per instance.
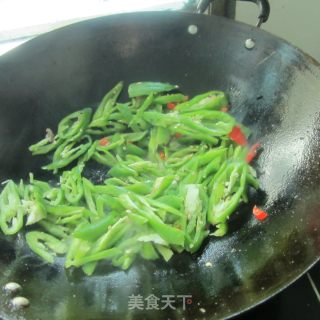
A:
(274, 89)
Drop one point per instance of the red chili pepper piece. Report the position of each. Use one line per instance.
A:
(259, 214)
(252, 152)
(171, 105)
(178, 135)
(224, 108)
(238, 136)
(103, 142)
(162, 155)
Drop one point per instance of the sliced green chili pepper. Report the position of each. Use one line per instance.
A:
(105, 108)
(34, 206)
(101, 255)
(11, 211)
(40, 243)
(148, 252)
(68, 152)
(87, 189)
(105, 157)
(177, 97)
(71, 184)
(160, 185)
(222, 201)
(145, 88)
(73, 126)
(45, 145)
(211, 100)
(54, 196)
(93, 231)
(54, 229)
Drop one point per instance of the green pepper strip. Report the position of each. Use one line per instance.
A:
(77, 249)
(135, 150)
(145, 88)
(168, 233)
(220, 208)
(45, 145)
(101, 255)
(215, 101)
(104, 157)
(121, 170)
(93, 231)
(137, 119)
(71, 184)
(11, 211)
(88, 189)
(105, 108)
(73, 126)
(35, 239)
(35, 206)
(67, 210)
(200, 233)
(54, 229)
(68, 152)
(114, 233)
(148, 252)
(88, 155)
(200, 100)
(177, 97)
(55, 196)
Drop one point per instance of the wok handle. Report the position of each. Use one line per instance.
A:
(264, 8)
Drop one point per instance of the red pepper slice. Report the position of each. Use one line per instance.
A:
(259, 214)
(238, 136)
(171, 105)
(252, 152)
(162, 155)
(103, 142)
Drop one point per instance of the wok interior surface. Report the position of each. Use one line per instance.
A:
(274, 89)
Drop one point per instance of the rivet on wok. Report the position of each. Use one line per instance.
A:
(20, 302)
(12, 287)
(249, 44)
(192, 29)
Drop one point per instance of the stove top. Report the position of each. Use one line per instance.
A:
(301, 300)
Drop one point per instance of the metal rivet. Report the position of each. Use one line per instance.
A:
(249, 44)
(192, 29)
(202, 310)
(20, 302)
(12, 287)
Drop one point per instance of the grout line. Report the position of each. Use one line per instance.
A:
(314, 287)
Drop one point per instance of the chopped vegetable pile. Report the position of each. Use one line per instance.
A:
(177, 168)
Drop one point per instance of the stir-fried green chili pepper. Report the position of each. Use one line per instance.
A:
(71, 184)
(105, 108)
(11, 211)
(45, 245)
(212, 100)
(93, 231)
(177, 97)
(74, 125)
(54, 229)
(68, 152)
(35, 205)
(145, 88)
(54, 196)
(45, 145)
(168, 168)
